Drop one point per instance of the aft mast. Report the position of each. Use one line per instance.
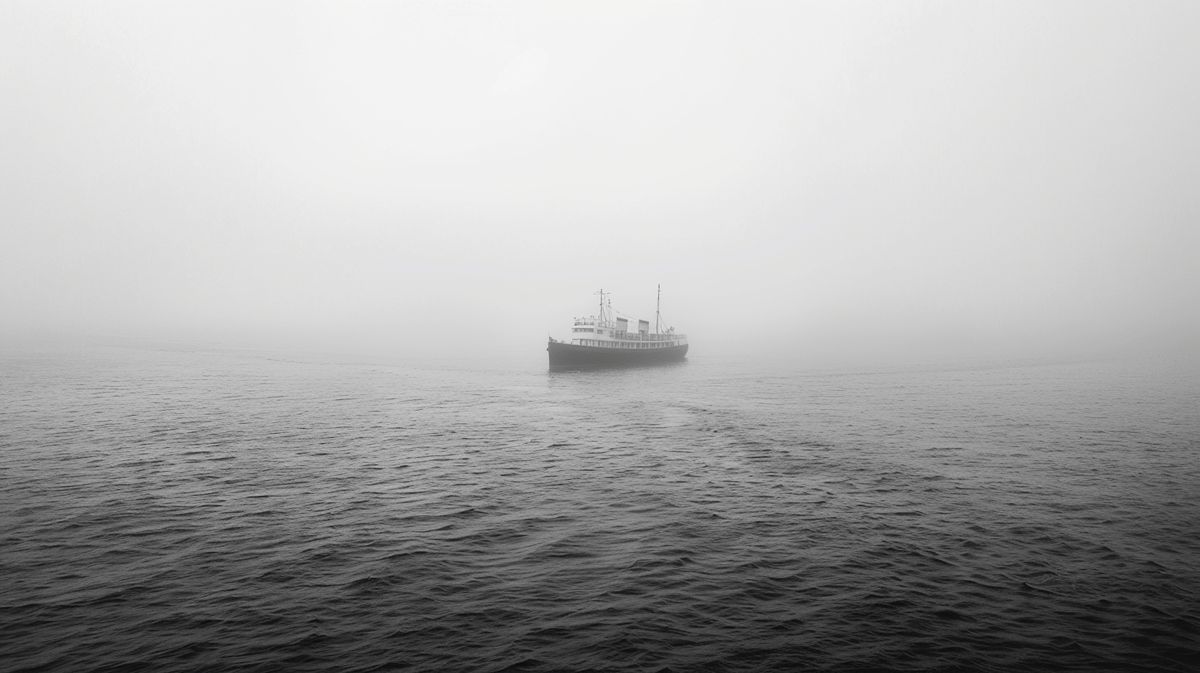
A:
(658, 311)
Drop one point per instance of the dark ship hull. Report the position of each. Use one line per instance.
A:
(574, 356)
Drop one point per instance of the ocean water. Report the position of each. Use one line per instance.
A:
(200, 511)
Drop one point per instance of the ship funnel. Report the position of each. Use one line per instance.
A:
(622, 325)
(643, 327)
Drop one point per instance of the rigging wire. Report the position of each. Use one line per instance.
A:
(614, 314)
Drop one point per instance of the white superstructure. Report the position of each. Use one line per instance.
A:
(605, 331)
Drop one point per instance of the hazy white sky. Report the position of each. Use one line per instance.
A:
(869, 177)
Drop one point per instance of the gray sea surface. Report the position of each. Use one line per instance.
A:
(174, 510)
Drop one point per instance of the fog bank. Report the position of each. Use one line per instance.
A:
(874, 181)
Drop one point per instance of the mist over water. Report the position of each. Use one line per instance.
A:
(873, 182)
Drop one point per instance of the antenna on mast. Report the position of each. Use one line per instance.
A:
(658, 311)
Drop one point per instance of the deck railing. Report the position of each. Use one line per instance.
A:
(637, 336)
(630, 344)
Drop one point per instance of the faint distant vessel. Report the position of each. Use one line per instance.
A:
(605, 341)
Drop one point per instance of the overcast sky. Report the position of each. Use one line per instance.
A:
(863, 177)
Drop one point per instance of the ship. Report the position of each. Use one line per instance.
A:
(605, 340)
